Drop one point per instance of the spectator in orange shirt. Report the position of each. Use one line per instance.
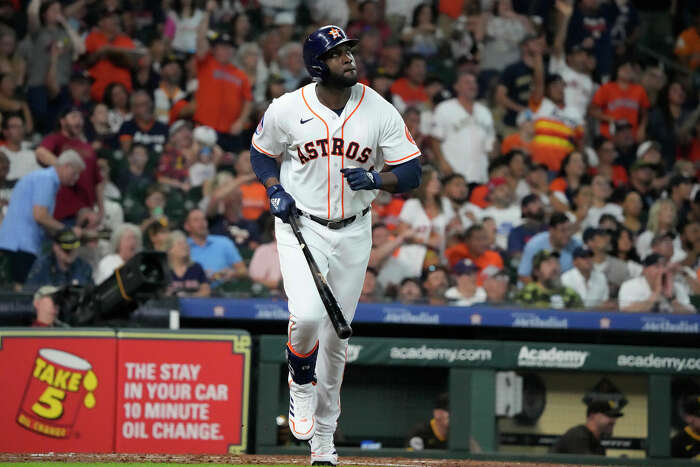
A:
(224, 97)
(110, 54)
(622, 99)
(409, 90)
(522, 139)
(688, 44)
(254, 198)
(476, 248)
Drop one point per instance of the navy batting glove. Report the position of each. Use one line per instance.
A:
(282, 204)
(361, 179)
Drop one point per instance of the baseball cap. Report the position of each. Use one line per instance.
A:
(219, 37)
(69, 109)
(168, 59)
(442, 401)
(45, 291)
(490, 272)
(652, 259)
(608, 407)
(67, 240)
(465, 266)
(691, 405)
(582, 252)
(680, 180)
(643, 165)
(580, 47)
(496, 181)
(81, 75)
(646, 146)
(542, 256)
(622, 124)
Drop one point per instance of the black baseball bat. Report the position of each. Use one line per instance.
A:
(341, 326)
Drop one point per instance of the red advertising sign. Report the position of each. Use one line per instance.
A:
(182, 392)
(58, 390)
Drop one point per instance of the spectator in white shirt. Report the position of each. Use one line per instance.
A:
(601, 189)
(613, 269)
(463, 132)
(653, 291)
(22, 159)
(503, 210)
(126, 241)
(589, 283)
(465, 292)
(574, 68)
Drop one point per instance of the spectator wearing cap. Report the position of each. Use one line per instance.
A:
(533, 222)
(31, 210)
(652, 291)
(557, 238)
(516, 82)
(224, 97)
(432, 434)
(686, 443)
(662, 220)
(110, 54)
(573, 66)
(142, 127)
(89, 190)
(495, 282)
(503, 209)
(168, 91)
(622, 99)
(601, 416)
(649, 152)
(22, 159)
(174, 164)
(49, 55)
(606, 153)
(46, 307)
(589, 283)
(476, 248)
(641, 180)
(465, 292)
(61, 266)
(545, 290)
(558, 126)
(613, 269)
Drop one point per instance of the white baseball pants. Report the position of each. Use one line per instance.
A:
(342, 256)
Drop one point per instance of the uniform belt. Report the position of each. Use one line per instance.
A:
(333, 225)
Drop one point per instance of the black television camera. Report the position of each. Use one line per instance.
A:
(143, 277)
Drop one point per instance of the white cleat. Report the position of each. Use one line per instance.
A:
(302, 421)
(323, 450)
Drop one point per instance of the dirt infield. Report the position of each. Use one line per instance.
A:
(258, 460)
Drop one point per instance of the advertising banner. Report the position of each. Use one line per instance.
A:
(182, 392)
(58, 390)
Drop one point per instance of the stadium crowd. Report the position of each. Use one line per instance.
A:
(560, 142)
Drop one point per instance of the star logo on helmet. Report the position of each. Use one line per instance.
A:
(335, 33)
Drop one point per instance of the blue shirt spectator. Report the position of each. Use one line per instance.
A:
(557, 238)
(30, 212)
(217, 254)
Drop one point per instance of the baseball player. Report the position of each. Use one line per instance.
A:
(332, 137)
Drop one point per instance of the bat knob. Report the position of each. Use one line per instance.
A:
(344, 332)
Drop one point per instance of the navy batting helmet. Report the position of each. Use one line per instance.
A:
(318, 43)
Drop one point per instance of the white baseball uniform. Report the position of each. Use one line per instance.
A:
(314, 143)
